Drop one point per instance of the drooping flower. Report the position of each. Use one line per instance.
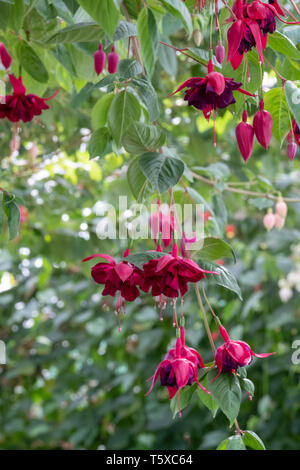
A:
(122, 277)
(281, 208)
(295, 132)
(178, 369)
(269, 220)
(112, 60)
(279, 222)
(99, 59)
(251, 25)
(291, 149)
(23, 214)
(4, 56)
(262, 125)
(233, 354)
(170, 274)
(220, 52)
(163, 224)
(244, 135)
(214, 91)
(21, 106)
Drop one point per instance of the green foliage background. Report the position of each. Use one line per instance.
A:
(71, 379)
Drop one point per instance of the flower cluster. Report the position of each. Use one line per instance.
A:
(276, 220)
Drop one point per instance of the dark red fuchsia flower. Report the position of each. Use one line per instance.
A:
(170, 274)
(233, 354)
(295, 132)
(120, 277)
(251, 25)
(178, 369)
(112, 60)
(262, 125)
(4, 56)
(214, 91)
(21, 106)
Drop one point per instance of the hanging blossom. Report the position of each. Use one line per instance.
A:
(295, 132)
(233, 354)
(21, 106)
(251, 25)
(178, 369)
(163, 224)
(214, 91)
(120, 277)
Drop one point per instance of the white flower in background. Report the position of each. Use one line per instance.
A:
(285, 294)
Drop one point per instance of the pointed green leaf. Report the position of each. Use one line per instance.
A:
(105, 13)
(124, 109)
(141, 137)
(162, 171)
(252, 440)
(98, 142)
(226, 391)
(215, 248)
(224, 277)
(178, 9)
(32, 63)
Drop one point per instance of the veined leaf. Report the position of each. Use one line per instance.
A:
(124, 109)
(224, 277)
(105, 13)
(178, 9)
(276, 104)
(141, 137)
(215, 248)
(162, 171)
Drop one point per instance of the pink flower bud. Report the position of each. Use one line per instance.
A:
(113, 60)
(281, 208)
(99, 59)
(279, 222)
(262, 124)
(244, 135)
(291, 149)
(269, 220)
(220, 52)
(4, 55)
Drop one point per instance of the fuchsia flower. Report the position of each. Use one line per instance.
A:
(250, 28)
(170, 274)
(220, 52)
(123, 277)
(211, 92)
(164, 224)
(4, 56)
(244, 135)
(262, 125)
(179, 368)
(99, 59)
(233, 354)
(22, 107)
(113, 60)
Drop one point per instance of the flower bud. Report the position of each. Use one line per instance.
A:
(262, 124)
(5, 57)
(197, 37)
(113, 60)
(279, 222)
(291, 149)
(220, 52)
(281, 208)
(244, 135)
(99, 59)
(269, 220)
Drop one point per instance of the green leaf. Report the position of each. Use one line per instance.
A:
(16, 18)
(281, 43)
(139, 259)
(124, 109)
(206, 399)
(235, 443)
(162, 171)
(215, 248)
(141, 137)
(124, 30)
(202, 56)
(105, 13)
(248, 385)
(167, 58)
(148, 96)
(292, 94)
(12, 212)
(147, 31)
(100, 110)
(178, 9)
(129, 68)
(32, 63)
(185, 398)
(80, 32)
(98, 142)
(139, 185)
(276, 104)
(227, 392)
(252, 440)
(224, 277)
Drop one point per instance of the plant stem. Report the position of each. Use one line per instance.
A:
(211, 341)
